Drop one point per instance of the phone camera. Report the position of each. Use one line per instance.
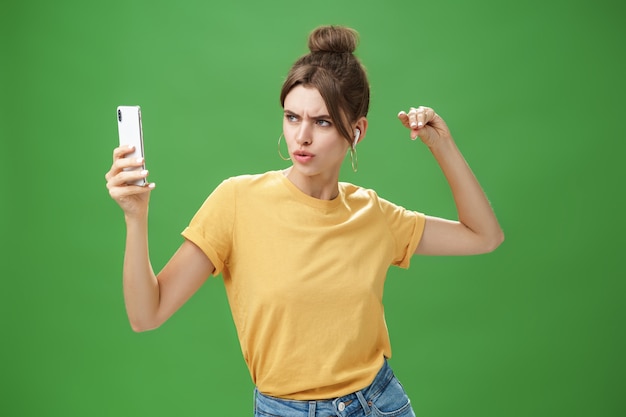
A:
(119, 115)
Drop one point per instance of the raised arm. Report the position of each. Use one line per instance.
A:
(477, 229)
(150, 299)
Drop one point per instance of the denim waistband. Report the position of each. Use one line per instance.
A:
(343, 406)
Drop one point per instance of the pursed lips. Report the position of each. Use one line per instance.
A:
(303, 155)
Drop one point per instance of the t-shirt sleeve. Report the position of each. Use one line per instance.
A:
(407, 227)
(211, 228)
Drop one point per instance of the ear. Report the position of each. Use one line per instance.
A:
(360, 129)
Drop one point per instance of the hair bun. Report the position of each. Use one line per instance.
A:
(336, 39)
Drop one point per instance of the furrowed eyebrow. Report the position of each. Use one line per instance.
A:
(319, 117)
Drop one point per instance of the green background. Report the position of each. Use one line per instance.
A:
(533, 92)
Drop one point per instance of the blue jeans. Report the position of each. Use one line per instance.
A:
(385, 397)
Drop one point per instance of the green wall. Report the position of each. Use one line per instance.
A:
(533, 92)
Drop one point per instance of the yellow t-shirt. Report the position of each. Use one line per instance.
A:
(304, 278)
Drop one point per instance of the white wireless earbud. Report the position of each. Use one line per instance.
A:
(357, 135)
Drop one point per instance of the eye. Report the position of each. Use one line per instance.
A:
(291, 118)
(324, 123)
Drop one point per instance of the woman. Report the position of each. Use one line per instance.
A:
(304, 256)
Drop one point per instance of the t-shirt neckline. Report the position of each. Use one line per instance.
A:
(307, 199)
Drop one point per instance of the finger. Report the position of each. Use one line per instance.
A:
(126, 178)
(424, 116)
(127, 164)
(421, 117)
(409, 120)
(123, 164)
(122, 151)
(120, 192)
(413, 120)
(404, 118)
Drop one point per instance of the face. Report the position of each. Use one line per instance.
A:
(315, 145)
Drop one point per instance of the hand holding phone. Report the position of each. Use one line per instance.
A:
(131, 133)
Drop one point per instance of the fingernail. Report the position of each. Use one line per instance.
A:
(420, 124)
(151, 185)
(139, 160)
(144, 172)
(413, 124)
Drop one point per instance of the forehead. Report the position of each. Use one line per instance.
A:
(305, 100)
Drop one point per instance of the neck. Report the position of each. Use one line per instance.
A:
(317, 186)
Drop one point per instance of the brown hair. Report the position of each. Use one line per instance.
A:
(336, 73)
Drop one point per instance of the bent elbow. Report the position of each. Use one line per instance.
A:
(494, 242)
(139, 327)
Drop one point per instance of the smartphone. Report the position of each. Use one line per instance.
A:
(131, 133)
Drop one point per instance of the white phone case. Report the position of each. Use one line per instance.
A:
(130, 133)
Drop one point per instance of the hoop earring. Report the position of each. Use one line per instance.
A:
(279, 153)
(354, 159)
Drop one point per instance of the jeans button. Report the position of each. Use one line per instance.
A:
(341, 406)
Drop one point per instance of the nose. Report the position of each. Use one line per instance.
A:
(304, 135)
